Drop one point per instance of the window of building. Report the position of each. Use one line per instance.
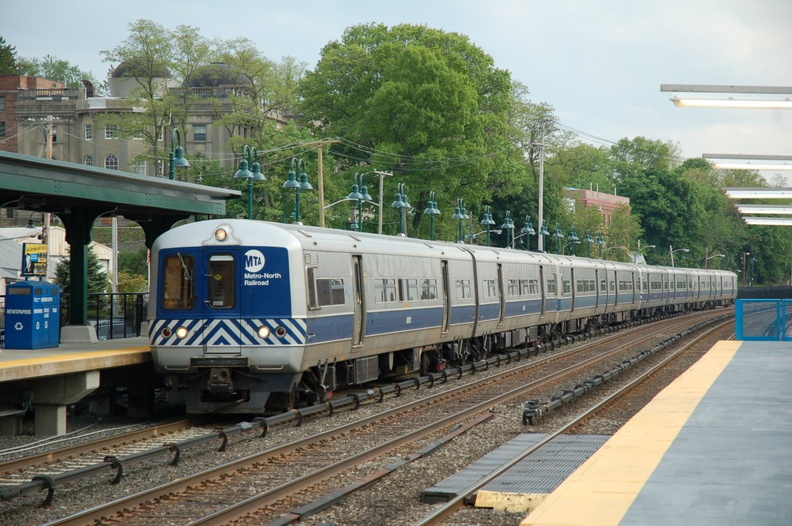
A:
(199, 133)
(89, 132)
(111, 162)
(2, 129)
(88, 160)
(111, 131)
(2, 103)
(140, 168)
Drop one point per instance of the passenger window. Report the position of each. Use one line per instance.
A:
(179, 290)
(463, 288)
(385, 289)
(221, 281)
(330, 291)
(429, 289)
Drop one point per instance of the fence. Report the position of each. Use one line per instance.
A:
(763, 320)
(116, 315)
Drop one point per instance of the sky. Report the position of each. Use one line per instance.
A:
(598, 63)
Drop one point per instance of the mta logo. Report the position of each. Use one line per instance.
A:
(254, 260)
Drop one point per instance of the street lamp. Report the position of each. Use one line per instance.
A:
(588, 240)
(573, 240)
(672, 250)
(508, 226)
(487, 221)
(359, 194)
(432, 211)
(601, 242)
(401, 205)
(542, 233)
(706, 260)
(558, 235)
(298, 186)
(460, 214)
(176, 158)
(527, 230)
(249, 158)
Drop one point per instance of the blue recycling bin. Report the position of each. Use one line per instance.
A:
(32, 316)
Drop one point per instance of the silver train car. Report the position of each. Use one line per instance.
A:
(245, 314)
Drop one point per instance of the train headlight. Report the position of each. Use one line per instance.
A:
(221, 234)
(263, 332)
(181, 332)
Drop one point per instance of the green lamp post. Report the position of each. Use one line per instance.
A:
(558, 235)
(508, 226)
(401, 205)
(601, 242)
(588, 240)
(527, 230)
(359, 193)
(432, 211)
(573, 240)
(249, 158)
(460, 215)
(176, 158)
(487, 222)
(297, 167)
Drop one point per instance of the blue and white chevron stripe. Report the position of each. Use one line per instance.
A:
(228, 332)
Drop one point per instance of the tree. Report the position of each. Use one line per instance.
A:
(418, 102)
(97, 278)
(53, 68)
(133, 262)
(8, 61)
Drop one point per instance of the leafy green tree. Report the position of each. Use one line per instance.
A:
(53, 68)
(97, 279)
(424, 104)
(630, 158)
(133, 262)
(8, 60)
(132, 282)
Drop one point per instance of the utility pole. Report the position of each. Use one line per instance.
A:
(382, 175)
(320, 173)
(540, 219)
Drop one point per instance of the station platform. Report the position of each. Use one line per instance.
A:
(713, 448)
(52, 378)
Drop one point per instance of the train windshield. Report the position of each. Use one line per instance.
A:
(178, 282)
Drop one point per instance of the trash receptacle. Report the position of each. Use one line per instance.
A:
(32, 315)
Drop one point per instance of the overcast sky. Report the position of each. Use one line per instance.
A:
(599, 63)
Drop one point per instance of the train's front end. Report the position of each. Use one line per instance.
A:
(224, 326)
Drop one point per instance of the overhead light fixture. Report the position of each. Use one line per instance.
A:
(764, 209)
(749, 162)
(758, 193)
(765, 101)
(769, 221)
(685, 102)
(752, 166)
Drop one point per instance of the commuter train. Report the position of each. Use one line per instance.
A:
(246, 314)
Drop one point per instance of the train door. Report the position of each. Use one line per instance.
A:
(574, 290)
(446, 297)
(502, 299)
(543, 288)
(221, 330)
(360, 304)
(597, 290)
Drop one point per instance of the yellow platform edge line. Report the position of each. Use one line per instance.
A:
(85, 355)
(603, 488)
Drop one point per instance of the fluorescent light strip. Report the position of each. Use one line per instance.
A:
(769, 221)
(732, 103)
(767, 193)
(765, 209)
(752, 166)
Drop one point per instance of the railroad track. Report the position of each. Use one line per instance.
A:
(288, 470)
